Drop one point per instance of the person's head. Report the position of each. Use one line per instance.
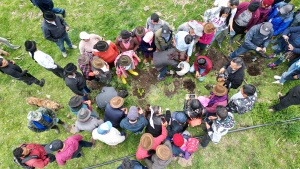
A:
(266, 28)
(3, 62)
(196, 29)
(133, 114)
(157, 110)
(30, 46)
(163, 152)
(178, 140)
(253, 6)
(148, 37)
(154, 18)
(84, 36)
(197, 107)
(75, 102)
(49, 16)
(221, 112)
(147, 141)
(83, 59)
(98, 63)
(177, 56)
(188, 39)
(225, 12)
(165, 31)
(21, 152)
(233, 3)
(34, 116)
(267, 3)
(101, 46)
(124, 60)
(55, 145)
(139, 31)
(286, 9)
(70, 69)
(201, 62)
(180, 117)
(220, 90)
(236, 63)
(83, 115)
(104, 127)
(209, 28)
(127, 164)
(248, 90)
(116, 102)
(125, 35)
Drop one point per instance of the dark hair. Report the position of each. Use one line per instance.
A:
(126, 164)
(148, 111)
(188, 39)
(226, 10)
(238, 61)
(1, 59)
(249, 90)
(234, 2)
(177, 56)
(201, 61)
(222, 112)
(18, 152)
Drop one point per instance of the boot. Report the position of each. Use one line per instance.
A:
(198, 53)
(132, 72)
(123, 79)
(42, 82)
(56, 129)
(195, 48)
(151, 61)
(62, 123)
(145, 60)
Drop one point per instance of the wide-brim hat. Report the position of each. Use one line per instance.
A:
(147, 141)
(70, 68)
(186, 68)
(49, 16)
(124, 60)
(116, 102)
(75, 101)
(101, 46)
(98, 63)
(139, 31)
(83, 59)
(34, 116)
(30, 45)
(163, 152)
(83, 114)
(219, 90)
(208, 28)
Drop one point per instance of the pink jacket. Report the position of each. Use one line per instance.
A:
(141, 153)
(71, 145)
(255, 15)
(206, 38)
(212, 109)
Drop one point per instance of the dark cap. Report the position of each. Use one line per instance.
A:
(70, 68)
(75, 101)
(266, 28)
(125, 34)
(49, 16)
(30, 46)
(165, 31)
(101, 46)
(154, 17)
(54, 146)
(253, 6)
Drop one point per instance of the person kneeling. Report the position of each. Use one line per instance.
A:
(202, 66)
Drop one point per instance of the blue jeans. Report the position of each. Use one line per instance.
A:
(218, 32)
(83, 143)
(61, 41)
(161, 75)
(163, 48)
(192, 70)
(54, 10)
(291, 69)
(240, 51)
(85, 90)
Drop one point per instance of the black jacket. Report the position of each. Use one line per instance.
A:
(45, 5)
(76, 84)
(54, 32)
(294, 95)
(13, 70)
(235, 79)
(156, 131)
(175, 128)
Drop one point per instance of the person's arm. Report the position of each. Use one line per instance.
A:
(47, 35)
(136, 43)
(148, 163)
(118, 44)
(77, 128)
(47, 62)
(282, 27)
(226, 65)
(32, 127)
(185, 107)
(147, 24)
(248, 39)
(17, 74)
(236, 82)
(74, 88)
(190, 49)
(114, 47)
(39, 163)
(63, 22)
(143, 46)
(267, 41)
(207, 14)
(99, 38)
(212, 109)
(207, 68)
(60, 162)
(196, 65)
(162, 136)
(81, 47)
(156, 41)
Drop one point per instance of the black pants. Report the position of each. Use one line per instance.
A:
(29, 79)
(58, 71)
(205, 140)
(284, 103)
(59, 122)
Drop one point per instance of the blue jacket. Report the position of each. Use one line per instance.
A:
(279, 25)
(255, 39)
(45, 5)
(134, 127)
(113, 115)
(144, 46)
(294, 38)
(177, 150)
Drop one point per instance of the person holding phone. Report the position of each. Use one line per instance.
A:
(178, 123)
(193, 109)
(135, 120)
(153, 114)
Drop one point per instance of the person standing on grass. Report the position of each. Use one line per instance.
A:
(43, 119)
(107, 51)
(135, 120)
(139, 32)
(154, 23)
(163, 38)
(126, 61)
(108, 134)
(292, 97)
(184, 43)
(115, 111)
(84, 63)
(88, 41)
(54, 29)
(293, 73)
(125, 42)
(243, 101)
(75, 81)
(202, 66)
(208, 34)
(257, 39)
(43, 59)
(220, 126)
(69, 149)
(10, 68)
(148, 46)
(76, 103)
(85, 122)
(47, 5)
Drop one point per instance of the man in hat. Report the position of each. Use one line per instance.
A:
(125, 42)
(243, 101)
(43, 59)
(202, 66)
(47, 5)
(148, 142)
(115, 111)
(9, 67)
(85, 122)
(88, 41)
(109, 134)
(44, 119)
(193, 28)
(75, 81)
(177, 124)
(154, 23)
(163, 38)
(139, 32)
(76, 103)
(184, 43)
(103, 73)
(54, 29)
(257, 39)
(6, 43)
(84, 63)
(69, 149)
(107, 51)
(162, 157)
(135, 120)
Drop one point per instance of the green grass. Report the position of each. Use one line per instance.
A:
(269, 147)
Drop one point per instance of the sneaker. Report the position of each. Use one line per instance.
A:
(64, 13)
(74, 47)
(219, 44)
(57, 131)
(42, 82)
(277, 82)
(270, 57)
(275, 47)
(64, 54)
(271, 65)
(16, 47)
(277, 77)
(271, 109)
(161, 79)
(230, 41)
(207, 47)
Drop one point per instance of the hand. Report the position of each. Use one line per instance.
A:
(212, 118)
(164, 124)
(150, 48)
(26, 70)
(84, 95)
(221, 70)
(296, 77)
(124, 110)
(158, 50)
(180, 154)
(221, 79)
(291, 47)
(258, 49)
(215, 31)
(140, 111)
(231, 29)
(88, 102)
(285, 37)
(107, 66)
(96, 72)
(245, 31)
(13, 62)
(187, 96)
(188, 59)
(57, 40)
(264, 49)
(207, 126)
(67, 28)
(182, 68)
(197, 73)
(138, 59)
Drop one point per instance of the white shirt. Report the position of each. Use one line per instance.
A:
(218, 21)
(53, 23)
(44, 59)
(238, 95)
(112, 138)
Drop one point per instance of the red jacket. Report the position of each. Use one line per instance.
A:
(110, 55)
(38, 150)
(71, 145)
(141, 153)
(255, 15)
(207, 67)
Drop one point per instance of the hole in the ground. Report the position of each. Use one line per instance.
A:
(254, 70)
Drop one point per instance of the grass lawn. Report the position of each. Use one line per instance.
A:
(269, 147)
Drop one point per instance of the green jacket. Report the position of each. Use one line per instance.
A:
(160, 41)
(47, 112)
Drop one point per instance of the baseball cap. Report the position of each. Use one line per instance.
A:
(55, 145)
(104, 127)
(266, 28)
(286, 9)
(179, 116)
(165, 31)
(132, 113)
(84, 35)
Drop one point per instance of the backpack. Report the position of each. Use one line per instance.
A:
(22, 162)
(192, 145)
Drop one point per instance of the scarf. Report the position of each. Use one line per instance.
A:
(128, 41)
(41, 127)
(227, 123)
(151, 118)
(76, 109)
(216, 99)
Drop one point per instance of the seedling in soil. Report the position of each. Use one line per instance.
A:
(141, 92)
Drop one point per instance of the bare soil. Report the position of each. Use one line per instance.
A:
(189, 85)
(254, 70)
(172, 91)
(95, 85)
(256, 84)
(217, 58)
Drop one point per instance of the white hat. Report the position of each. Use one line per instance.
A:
(84, 35)
(186, 68)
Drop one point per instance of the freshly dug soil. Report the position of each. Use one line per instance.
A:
(256, 84)
(177, 85)
(189, 85)
(208, 86)
(95, 85)
(138, 92)
(218, 59)
(247, 56)
(254, 70)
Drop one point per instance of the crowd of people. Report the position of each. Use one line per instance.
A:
(163, 135)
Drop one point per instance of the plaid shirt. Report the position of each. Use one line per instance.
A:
(86, 69)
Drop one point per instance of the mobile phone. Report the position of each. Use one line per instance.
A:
(192, 96)
(163, 119)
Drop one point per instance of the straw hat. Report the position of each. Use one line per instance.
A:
(98, 63)
(219, 90)
(116, 102)
(163, 152)
(147, 141)
(124, 60)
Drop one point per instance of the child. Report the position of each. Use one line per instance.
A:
(179, 146)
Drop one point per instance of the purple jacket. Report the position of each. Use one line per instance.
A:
(255, 15)
(263, 12)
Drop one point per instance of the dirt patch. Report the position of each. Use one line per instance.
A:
(254, 70)
(256, 84)
(139, 92)
(173, 87)
(208, 86)
(189, 85)
(95, 85)
(217, 58)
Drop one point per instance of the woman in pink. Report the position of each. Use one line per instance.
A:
(208, 34)
(126, 42)
(126, 61)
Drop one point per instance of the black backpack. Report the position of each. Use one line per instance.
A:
(22, 162)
